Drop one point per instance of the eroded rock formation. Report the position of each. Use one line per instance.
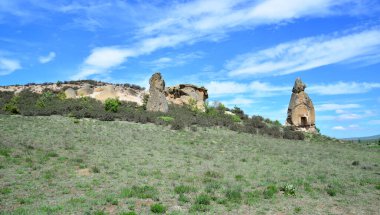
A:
(76, 89)
(301, 113)
(187, 94)
(157, 100)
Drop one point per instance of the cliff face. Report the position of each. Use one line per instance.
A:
(97, 90)
(182, 94)
(185, 94)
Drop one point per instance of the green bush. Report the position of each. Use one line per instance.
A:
(44, 98)
(203, 199)
(270, 191)
(289, 190)
(11, 106)
(181, 189)
(144, 192)
(166, 119)
(112, 105)
(158, 208)
(233, 194)
(5, 97)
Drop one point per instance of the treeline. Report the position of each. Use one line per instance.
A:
(49, 103)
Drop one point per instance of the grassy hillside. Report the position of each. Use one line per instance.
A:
(61, 165)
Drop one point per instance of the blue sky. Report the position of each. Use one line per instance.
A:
(247, 53)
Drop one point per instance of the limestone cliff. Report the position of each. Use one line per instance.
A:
(184, 94)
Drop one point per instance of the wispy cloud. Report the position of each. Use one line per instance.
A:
(239, 101)
(345, 128)
(334, 107)
(47, 58)
(174, 61)
(101, 60)
(340, 88)
(211, 20)
(7, 66)
(307, 53)
(264, 89)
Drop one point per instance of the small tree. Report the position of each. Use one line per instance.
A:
(112, 105)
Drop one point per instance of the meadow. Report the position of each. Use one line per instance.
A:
(64, 165)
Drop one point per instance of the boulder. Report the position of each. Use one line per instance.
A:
(70, 93)
(106, 93)
(301, 113)
(85, 90)
(157, 100)
(187, 94)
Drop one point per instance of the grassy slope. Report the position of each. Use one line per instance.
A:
(61, 165)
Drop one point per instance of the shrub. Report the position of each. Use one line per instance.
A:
(44, 98)
(239, 112)
(289, 190)
(166, 119)
(293, 135)
(177, 125)
(233, 195)
(181, 189)
(182, 198)
(5, 97)
(144, 192)
(145, 101)
(270, 191)
(11, 106)
(203, 199)
(235, 118)
(158, 208)
(112, 105)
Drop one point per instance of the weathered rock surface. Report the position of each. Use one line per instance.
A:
(105, 93)
(185, 94)
(100, 91)
(157, 100)
(301, 113)
(85, 90)
(70, 93)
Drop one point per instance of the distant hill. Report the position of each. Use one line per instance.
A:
(375, 137)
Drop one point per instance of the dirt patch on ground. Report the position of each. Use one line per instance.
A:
(143, 203)
(84, 172)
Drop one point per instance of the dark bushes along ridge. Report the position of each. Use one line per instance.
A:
(54, 103)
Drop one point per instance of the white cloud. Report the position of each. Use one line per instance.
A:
(343, 128)
(264, 89)
(238, 102)
(7, 66)
(342, 88)
(48, 58)
(339, 128)
(174, 61)
(101, 60)
(224, 88)
(107, 57)
(305, 54)
(210, 20)
(335, 107)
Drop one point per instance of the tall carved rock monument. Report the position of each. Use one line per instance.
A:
(301, 113)
(157, 100)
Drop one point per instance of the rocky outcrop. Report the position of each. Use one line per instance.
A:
(96, 90)
(187, 94)
(301, 113)
(157, 100)
(70, 93)
(85, 90)
(106, 92)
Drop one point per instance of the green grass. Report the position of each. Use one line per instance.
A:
(51, 165)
